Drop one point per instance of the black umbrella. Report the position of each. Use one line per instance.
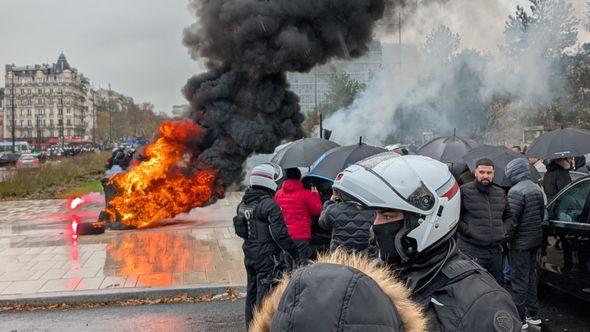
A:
(561, 143)
(449, 150)
(302, 152)
(337, 159)
(501, 156)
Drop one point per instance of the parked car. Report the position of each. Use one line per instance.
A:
(565, 260)
(8, 159)
(27, 160)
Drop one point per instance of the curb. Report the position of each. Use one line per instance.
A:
(114, 295)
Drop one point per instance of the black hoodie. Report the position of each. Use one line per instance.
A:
(267, 212)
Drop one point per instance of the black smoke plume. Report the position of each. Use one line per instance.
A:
(243, 102)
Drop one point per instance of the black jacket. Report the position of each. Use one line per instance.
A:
(485, 215)
(528, 207)
(339, 293)
(555, 179)
(350, 225)
(272, 235)
(460, 295)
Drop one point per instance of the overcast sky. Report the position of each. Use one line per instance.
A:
(136, 45)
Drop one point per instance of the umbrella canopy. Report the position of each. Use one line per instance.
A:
(561, 143)
(501, 156)
(449, 150)
(337, 159)
(302, 152)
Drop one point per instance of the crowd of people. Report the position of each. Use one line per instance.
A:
(466, 257)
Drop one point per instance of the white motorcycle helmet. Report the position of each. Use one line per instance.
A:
(266, 175)
(421, 187)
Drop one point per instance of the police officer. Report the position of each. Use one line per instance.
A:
(418, 203)
(259, 221)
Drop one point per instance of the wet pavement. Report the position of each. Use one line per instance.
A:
(223, 316)
(39, 254)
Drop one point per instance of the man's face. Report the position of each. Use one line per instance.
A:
(484, 174)
(533, 160)
(388, 217)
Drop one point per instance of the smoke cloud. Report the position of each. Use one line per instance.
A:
(445, 78)
(243, 102)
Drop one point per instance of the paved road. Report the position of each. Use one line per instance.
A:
(560, 312)
(209, 316)
(563, 313)
(39, 254)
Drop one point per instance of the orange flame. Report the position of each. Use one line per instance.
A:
(157, 187)
(155, 256)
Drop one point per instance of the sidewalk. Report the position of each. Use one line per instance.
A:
(39, 259)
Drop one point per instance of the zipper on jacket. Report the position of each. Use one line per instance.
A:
(490, 214)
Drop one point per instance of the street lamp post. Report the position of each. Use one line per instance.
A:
(13, 111)
(61, 118)
(110, 115)
(93, 122)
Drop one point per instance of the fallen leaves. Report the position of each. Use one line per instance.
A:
(229, 295)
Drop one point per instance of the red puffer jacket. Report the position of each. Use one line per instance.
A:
(298, 205)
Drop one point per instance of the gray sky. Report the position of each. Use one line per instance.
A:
(136, 45)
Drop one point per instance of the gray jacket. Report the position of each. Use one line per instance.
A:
(527, 204)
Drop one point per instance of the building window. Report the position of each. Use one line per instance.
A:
(68, 122)
(40, 91)
(51, 123)
(29, 123)
(60, 111)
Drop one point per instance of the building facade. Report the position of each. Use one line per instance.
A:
(312, 88)
(50, 103)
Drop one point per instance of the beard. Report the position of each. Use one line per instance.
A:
(485, 182)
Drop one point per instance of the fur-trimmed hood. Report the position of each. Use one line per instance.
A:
(339, 292)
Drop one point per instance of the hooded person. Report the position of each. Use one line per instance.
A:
(339, 292)
(527, 202)
(557, 176)
(349, 223)
(259, 221)
(417, 203)
(299, 206)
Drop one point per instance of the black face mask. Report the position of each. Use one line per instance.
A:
(385, 236)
